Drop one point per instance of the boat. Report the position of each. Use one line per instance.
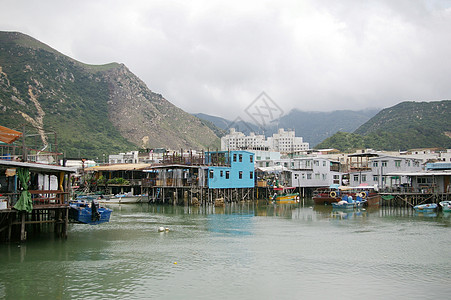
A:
(285, 195)
(348, 202)
(446, 206)
(335, 193)
(428, 207)
(122, 199)
(89, 212)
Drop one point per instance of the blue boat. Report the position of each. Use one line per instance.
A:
(429, 207)
(347, 202)
(89, 212)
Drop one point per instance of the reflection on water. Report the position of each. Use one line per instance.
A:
(246, 250)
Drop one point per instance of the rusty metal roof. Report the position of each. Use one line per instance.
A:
(120, 167)
(8, 135)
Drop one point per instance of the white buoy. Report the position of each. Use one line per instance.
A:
(160, 229)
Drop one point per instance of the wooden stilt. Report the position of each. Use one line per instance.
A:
(23, 234)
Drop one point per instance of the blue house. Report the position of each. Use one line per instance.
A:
(230, 169)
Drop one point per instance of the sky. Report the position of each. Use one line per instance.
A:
(218, 57)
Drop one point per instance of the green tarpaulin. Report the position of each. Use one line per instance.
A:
(25, 202)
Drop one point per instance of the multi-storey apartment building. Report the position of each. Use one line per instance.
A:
(283, 142)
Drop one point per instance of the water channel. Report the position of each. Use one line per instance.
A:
(241, 251)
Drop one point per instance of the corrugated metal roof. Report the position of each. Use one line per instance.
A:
(8, 135)
(120, 167)
(436, 173)
(35, 166)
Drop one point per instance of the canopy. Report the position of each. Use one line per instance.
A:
(8, 135)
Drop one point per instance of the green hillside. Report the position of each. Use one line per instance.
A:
(93, 109)
(404, 126)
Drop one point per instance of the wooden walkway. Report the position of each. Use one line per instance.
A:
(409, 199)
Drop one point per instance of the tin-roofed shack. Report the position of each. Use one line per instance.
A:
(116, 178)
(31, 195)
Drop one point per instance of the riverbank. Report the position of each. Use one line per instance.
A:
(248, 250)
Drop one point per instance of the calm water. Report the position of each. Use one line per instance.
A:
(244, 251)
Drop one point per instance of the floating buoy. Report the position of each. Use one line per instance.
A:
(175, 262)
(166, 229)
(160, 229)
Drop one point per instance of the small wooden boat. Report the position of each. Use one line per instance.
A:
(334, 194)
(87, 212)
(285, 195)
(446, 206)
(429, 207)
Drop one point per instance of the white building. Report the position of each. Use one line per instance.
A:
(377, 168)
(283, 142)
(309, 172)
(124, 158)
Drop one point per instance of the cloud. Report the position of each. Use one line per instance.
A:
(217, 56)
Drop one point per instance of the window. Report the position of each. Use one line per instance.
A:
(258, 157)
(356, 177)
(317, 176)
(324, 163)
(363, 178)
(221, 173)
(251, 159)
(251, 175)
(324, 176)
(211, 173)
(375, 164)
(397, 163)
(234, 157)
(376, 178)
(384, 163)
(309, 176)
(240, 157)
(240, 175)
(227, 174)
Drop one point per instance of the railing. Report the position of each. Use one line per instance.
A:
(40, 198)
(170, 182)
(47, 197)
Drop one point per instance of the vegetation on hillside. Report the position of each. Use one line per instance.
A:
(57, 93)
(404, 126)
(94, 110)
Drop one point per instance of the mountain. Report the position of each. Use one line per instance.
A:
(224, 125)
(94, 109)
(404, 126)
(314, 127)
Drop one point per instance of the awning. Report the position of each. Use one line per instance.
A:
(8, 135)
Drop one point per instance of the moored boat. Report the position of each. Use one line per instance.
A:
(446, 206)
(428, 207)
(285, 195)
(87, 212)
(348, 202)
(122, 199)
(335, 193)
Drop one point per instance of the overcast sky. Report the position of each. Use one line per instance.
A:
(216, 57)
